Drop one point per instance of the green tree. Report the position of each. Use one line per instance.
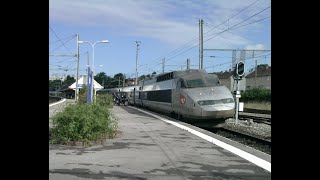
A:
(69, 80)
(108, 82)
(118, 75)
(142, 77)
(116, 79)
(102, 78)
(54, 84)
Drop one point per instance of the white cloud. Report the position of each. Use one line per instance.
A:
(172, 22)
(256, 47)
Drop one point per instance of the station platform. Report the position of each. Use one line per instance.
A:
(152, 146)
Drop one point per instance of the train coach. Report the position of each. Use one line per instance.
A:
(191, 95)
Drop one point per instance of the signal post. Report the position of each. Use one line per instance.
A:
(238, 74)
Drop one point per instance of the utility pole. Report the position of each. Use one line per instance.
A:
(256, 71)
(119, 82)
(163, 61)
(88, 98)
(77, 75)
(87, 59)
(188, 63)
(200, 44)
(124, 79)
(137, 42)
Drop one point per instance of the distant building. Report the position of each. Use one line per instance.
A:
(226, 78)
(60, 76)
(260, 79)
(130, 83)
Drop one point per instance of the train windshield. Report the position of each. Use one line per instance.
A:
(212, 80)
(195, 81)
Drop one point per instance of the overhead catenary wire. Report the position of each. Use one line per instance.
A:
(73, 36)
(235, 26)
(59, 47)
(196, 38)
(63, 44)
(217, 34)
(233, 16)
(228, 62)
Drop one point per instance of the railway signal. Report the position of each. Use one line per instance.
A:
(238, 73)
(240, 68)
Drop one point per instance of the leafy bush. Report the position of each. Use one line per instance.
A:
(257, 95)
(83, 95)
(105, 100)
(84, 123)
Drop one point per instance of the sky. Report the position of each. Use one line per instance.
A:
(167, 31)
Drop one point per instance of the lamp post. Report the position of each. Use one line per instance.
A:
(137, 42)
(92, 45)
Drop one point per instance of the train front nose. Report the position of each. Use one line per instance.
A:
(216, 116)
(214, 102)
(217, 112)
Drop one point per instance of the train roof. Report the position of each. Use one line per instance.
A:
(173, 75)
(119, 89)
(176, 74)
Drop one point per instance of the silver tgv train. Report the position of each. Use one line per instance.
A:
(191, 95)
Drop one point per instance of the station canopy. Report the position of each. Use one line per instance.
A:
(83, 81)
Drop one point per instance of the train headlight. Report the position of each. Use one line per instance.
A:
(213, 102)
(228, 100)
(201, 103)
(206, 102)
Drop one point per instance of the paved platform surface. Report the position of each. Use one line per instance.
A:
(149, 148)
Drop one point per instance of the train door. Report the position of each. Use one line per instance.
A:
(178, 99)
(134, 96)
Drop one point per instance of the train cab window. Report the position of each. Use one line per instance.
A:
(192, 83)
(212, 81)
(209, 80)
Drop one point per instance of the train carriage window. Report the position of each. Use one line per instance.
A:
(180, 84)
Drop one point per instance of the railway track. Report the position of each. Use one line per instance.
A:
(246, 134)
(259, 118)
(258, 111)
(250, 140)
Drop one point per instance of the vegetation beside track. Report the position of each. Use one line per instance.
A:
(84, 124)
